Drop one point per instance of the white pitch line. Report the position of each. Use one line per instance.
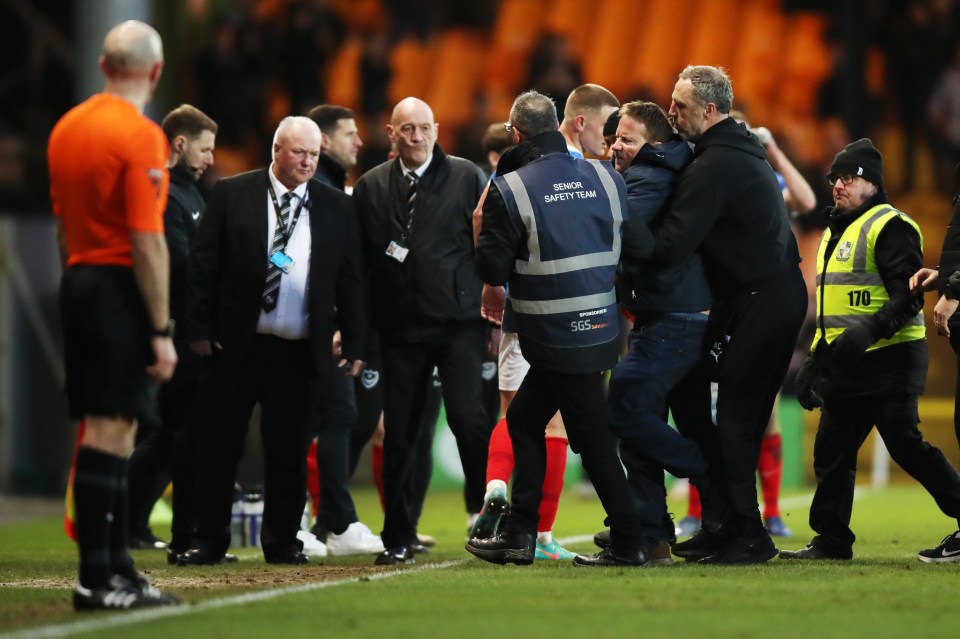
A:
(120, 619)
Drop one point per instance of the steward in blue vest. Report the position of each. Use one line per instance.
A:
(557, 238)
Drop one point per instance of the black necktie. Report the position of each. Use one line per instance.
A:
(272, 288)
(411, 200)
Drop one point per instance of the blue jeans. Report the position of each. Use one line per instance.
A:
(663, 350)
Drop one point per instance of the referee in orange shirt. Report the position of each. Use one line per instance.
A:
(108, 184)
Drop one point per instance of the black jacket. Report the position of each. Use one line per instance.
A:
(185, 205)
(651, 179)
(896, 369)
(331, 172)
(436, 283)
(228, 269)
(728, 204)
(949, 268)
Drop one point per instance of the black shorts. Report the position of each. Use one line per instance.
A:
(106, 335)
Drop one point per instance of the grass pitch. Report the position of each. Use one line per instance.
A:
(884, 592)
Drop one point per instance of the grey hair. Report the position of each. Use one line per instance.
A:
(292, 121)
(710, 84)
(534, 113)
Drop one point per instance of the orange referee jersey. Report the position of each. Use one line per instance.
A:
(108, 177)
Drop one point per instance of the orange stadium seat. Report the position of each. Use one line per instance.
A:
(519, 23)
(576, 21)
(343, 83)
(806, 62)
(756, 62)
(661, 48)
(715, 33)
(604, 62)
(455, 72)
(411, 61)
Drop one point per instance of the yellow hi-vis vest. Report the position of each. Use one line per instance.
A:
(849, 287)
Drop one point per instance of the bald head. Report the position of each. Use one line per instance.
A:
(413, 130)
(131, 49)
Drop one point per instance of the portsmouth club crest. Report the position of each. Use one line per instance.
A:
(844, 250)
(369, 378)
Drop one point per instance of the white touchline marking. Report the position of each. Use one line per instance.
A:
(119, 619)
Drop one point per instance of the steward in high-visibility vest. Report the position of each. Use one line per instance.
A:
(869, 359)
(850, 288)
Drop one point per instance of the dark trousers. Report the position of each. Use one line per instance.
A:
(167, 453)
(752, 338)
(408, 368)
(277, 374)
(580, 400)
(844, 425)
(337, 419)
(954, 323)
(368, 398)
(662, 351)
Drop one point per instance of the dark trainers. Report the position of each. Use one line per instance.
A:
(744, 550)
(948, 550)
(494, 508)
(815, 551)
(121, 594)
(703, 544)
(608, 558)
(504, 548)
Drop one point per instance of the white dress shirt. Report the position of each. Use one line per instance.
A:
(289, 319)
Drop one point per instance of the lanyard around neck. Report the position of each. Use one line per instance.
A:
(285, 230)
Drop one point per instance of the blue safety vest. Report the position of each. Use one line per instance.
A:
(562, 290)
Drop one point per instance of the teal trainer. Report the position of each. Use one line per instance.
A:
(494, 508)
(553, 551)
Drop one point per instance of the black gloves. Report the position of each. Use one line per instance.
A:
(807, 378)
(851, 345)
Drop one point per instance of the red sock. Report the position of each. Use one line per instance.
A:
(313, 477)
(771, 468)
(500, 453)
(552, 482)
(693, 506)
(377, 454)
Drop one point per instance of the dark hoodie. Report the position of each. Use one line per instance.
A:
(651, 179)
(729, 204)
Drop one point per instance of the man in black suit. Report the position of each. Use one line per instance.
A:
(260, 299)
(416, 212)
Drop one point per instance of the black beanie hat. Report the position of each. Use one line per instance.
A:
(861, 159)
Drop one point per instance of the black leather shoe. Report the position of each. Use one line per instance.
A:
(609, 558)
(815, 551)
(394, 556)
(505, 548)
(602, 539)
(198, 557)
(743, 550)
(704, 544)
(293, 559)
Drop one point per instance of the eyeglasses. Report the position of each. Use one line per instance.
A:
(510, 128)
(846, 179)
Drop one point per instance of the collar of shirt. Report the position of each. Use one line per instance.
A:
(300, 192)
(420, 170)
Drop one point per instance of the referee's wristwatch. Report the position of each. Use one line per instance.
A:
(166, 331)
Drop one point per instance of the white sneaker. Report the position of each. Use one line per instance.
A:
(355, 540)
(312, 547)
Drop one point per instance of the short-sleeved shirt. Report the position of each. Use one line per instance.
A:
(108, 177)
